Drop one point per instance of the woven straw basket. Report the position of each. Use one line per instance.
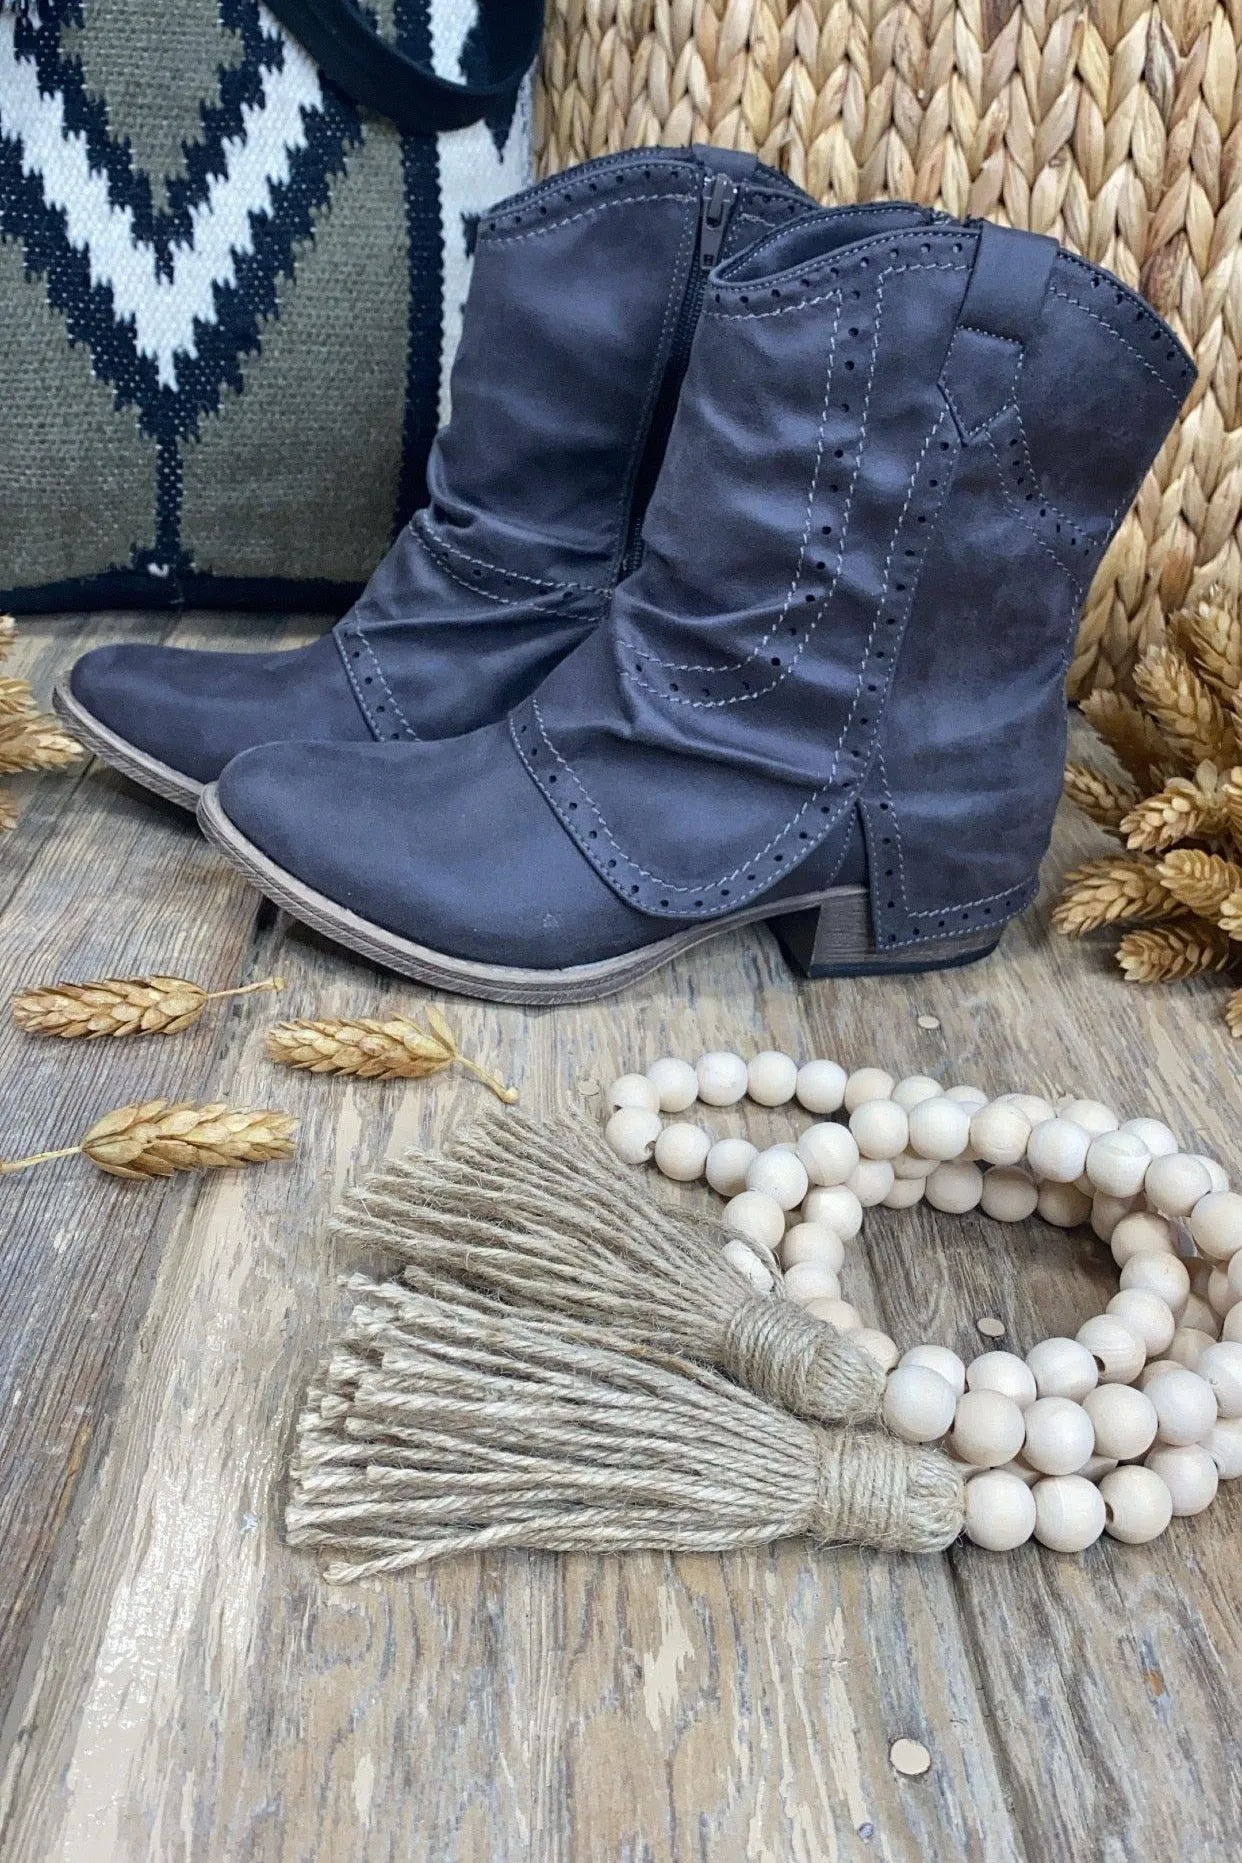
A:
(1113, 124)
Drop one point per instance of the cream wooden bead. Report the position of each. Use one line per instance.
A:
(1107, 1212)
(755, 1218)
(1154, 1370)
(1199, 1314)
(828, 1153)
(1124, 1421)
(1224, 1445)
(634, 1090)
(945, 1363)
(871, 1180)
(1118, 1351)
(1221, 1366)
(837, 1206)
(1062, 1205)
(778, 1174)
(1188, 1346)
(1220, 1296)
(1092, 1115)
(967, 1095)
(909, 1164)
(1215, 1225)
(999, 1134)
(632, 1134)
(867, 1083)
(1233, 1274)
(1000, 1511)
(1157, 1137)
(1189, 1474)
(1154, 1271)
(1185, 1406)
(771, 1078)
(676, 1083)
(876, 1345)
(955, 1187)
(1004, 1372)
(811, 1280)
(1097, 1466)
(940, 1128)
(727, 1164)
(1063, 1368)
(813, 1242)
(1027, 1475)
(1216, 1172)
(1137, 1505)
(1069, 1513)
(1008, 1195)
(1033, 1107)
(905, 1193)
(1087, 1189)
(820, 1087)
(1059, 1435)
(1147, 1315)
(1231, 1326)
(914, 1089)
(987, 1428)
(1117, 1163)
(880, 1128)
(1142, 1232)
(1057, 1150)
(918, 1405)
(722, 1078)
(741, 1256)
(681, 1152)
(1173, 1185)
(838, 1314)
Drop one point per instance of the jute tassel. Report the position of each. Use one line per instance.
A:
(541, 1219)
(438, 1429)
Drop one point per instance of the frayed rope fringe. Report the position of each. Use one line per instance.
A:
(540, 1406)
(541, 1220)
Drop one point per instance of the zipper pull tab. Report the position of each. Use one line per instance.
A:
(719, 194)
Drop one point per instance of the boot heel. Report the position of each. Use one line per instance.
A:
(835, 940)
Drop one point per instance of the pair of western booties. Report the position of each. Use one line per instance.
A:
(745, 590)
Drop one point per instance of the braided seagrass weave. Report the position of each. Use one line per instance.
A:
(1111, 124)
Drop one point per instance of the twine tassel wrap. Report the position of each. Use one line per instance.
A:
(541, 1221)
(435, 1429)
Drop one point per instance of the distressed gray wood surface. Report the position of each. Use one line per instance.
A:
(192, 1691)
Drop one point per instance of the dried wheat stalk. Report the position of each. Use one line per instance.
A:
(8, 813)
(1175, 813)
(1107, 891)
(1100, 796)
(1202, 881)
(115, 1006)
(16, 698)
(153, 1139)
(370, 1049)
(1169, 952)
(35, 741)
(1186, 740)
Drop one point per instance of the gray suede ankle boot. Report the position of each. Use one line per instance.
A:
(830, 696)
(585, 293)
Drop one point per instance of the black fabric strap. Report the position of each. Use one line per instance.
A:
(376, 74)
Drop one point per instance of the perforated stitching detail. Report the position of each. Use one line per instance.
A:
(673, 886)
(554, 226)
(969, 430)
(1022, 518)
(1069, 298)
(500, 601)
(379, 730)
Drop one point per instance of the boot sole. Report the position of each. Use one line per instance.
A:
(841, 947)
(137, 764)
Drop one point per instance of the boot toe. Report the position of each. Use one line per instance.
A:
(447, 844)
(193, 711)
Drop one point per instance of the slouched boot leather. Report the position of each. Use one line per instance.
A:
(582, 304)
(832, 694)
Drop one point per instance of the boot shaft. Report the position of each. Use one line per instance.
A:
(896, 463)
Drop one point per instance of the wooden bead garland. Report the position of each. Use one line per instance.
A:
(1135, 1420)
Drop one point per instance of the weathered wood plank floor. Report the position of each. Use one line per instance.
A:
(179, 1686)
